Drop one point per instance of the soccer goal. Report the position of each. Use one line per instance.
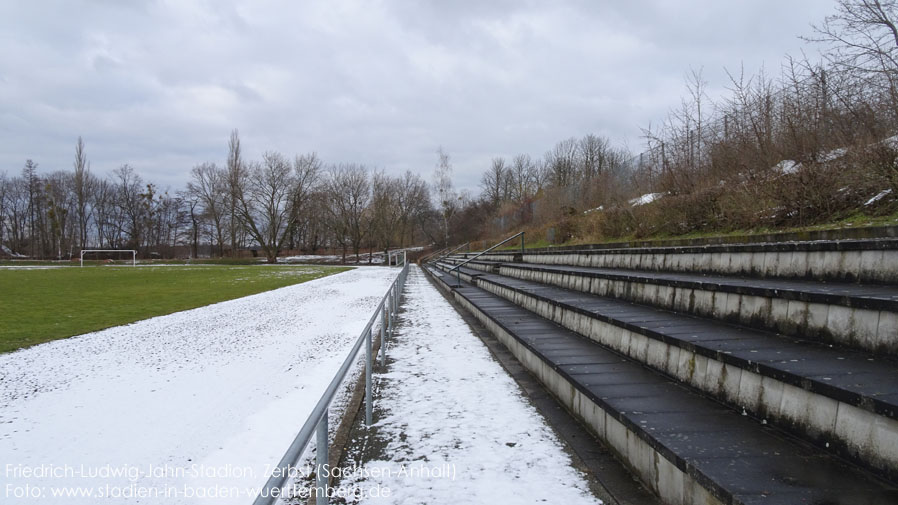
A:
(132, 251)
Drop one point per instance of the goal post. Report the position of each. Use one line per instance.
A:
(132, 251)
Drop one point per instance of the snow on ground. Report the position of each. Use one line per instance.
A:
(376, 259)
(786, 167)
(879, 196)
(9, 252)
(31, 267)
(159, 405)
(446, 407)
(645, 199)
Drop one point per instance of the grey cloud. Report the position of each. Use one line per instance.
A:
(160, 84)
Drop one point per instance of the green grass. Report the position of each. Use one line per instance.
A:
(855, 219)
(40, 305)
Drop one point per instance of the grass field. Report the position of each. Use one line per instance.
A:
(39, 305)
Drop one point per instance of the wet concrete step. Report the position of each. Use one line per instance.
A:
(842, 400)
(864, 316)
(685, 447)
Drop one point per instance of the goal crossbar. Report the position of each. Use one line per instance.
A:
(132, 251)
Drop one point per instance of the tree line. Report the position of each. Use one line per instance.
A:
(817, 140)
(270, 205)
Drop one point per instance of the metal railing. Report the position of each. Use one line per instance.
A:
(397, 253)
(481, 253)
(443, 255)
(317, 422)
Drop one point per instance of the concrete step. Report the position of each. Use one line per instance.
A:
(685, 447)
(864, 316)
(841, 400)
(872, 261)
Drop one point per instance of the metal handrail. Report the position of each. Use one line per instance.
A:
(441, 254)
(427, 257)
(481, 253)
(452, 251)
(318, 419)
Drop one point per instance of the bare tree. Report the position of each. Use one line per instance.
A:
(494, 183)
(863, 40)
(209, 186)
(6, 188)
(561, 162)
(130, 200)
(83, 183)
(29, 173)
(265, 207)
(412, 204)
(444, 191)
(522, 178)
(236, 180)
(349, 193)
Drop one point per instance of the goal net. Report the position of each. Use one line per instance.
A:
(133, 253)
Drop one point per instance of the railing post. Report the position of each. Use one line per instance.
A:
(522, 246)
(383, 343)
(368, 363)
(321, 457)
(389, 316)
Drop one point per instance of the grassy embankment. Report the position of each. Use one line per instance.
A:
(40, 305)
(536, 237)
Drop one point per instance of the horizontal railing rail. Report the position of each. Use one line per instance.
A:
(398, 253)
(443, 255)
(318, 420)
(426, 257)
(481, 253)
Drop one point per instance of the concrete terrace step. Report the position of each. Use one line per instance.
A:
(837, 398)
(874, 261)
(859, 315)
(685, 447)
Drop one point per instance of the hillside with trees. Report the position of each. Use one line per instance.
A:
(813, 145)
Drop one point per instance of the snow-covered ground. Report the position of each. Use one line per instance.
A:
(197, 402)
(645, 199)
(31, 267)
(454, 426)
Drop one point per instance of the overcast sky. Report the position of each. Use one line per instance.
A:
(160, 84)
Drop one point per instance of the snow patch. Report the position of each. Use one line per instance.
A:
(787, 167)
(879, 196)
(833, 155)
(9, 252)
(645, 199)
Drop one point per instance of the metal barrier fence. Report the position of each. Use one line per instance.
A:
(317, 422)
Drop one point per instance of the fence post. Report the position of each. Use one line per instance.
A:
(383, 342)
(368, 406)
(321, 456)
